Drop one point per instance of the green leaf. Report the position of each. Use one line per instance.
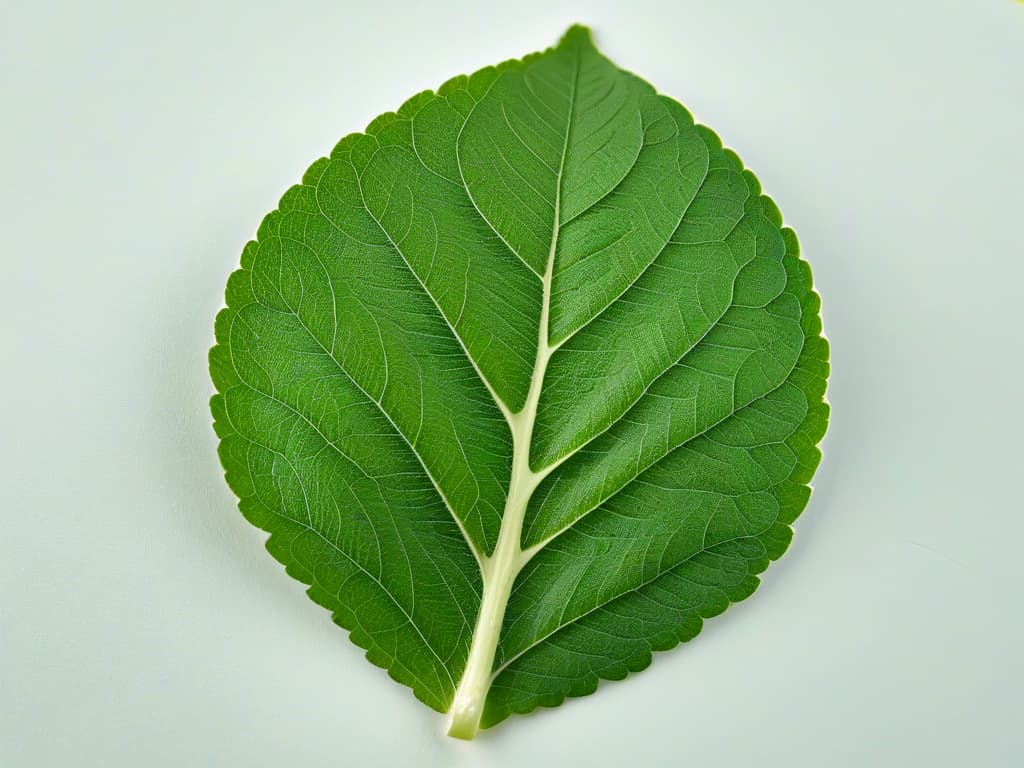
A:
(525, 382)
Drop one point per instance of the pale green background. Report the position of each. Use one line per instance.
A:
(142, 625)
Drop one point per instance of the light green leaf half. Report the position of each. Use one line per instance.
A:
(525, 382)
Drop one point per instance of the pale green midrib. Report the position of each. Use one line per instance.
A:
(501, 569)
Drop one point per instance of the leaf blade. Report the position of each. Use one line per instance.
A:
(410, 373)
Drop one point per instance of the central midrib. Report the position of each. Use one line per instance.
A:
(500, 569)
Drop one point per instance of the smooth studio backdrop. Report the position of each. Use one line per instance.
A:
(142, 624)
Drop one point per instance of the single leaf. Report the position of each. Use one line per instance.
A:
(525, 382)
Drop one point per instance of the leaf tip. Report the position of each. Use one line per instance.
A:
(577, 35)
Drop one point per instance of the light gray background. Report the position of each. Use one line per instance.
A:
(143, 625)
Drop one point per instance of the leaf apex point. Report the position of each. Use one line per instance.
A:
(577, 34)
